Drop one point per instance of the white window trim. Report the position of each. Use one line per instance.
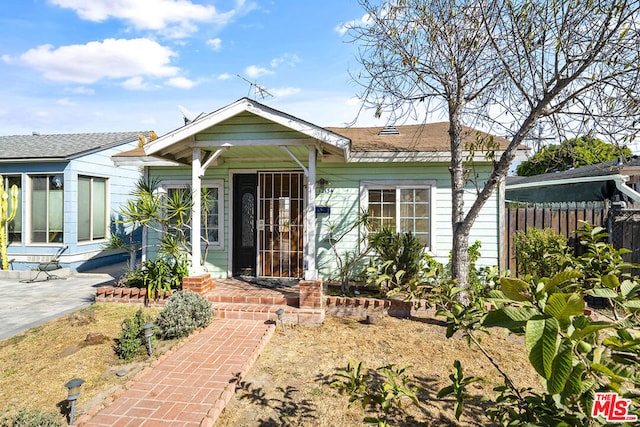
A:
(208, 183)
(404, 184)
(107, 205)
(27, 224)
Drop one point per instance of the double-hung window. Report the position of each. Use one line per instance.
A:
(13, 228)
(47, 208)
(212, 192)
(92, 208)
(402, 206)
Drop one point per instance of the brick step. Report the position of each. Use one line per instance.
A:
(254, 299)
(245, 311)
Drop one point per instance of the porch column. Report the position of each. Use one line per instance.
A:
(196, 214)
(310, 219)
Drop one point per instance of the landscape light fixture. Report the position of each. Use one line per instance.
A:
(280, 313)
(74, 393)
(148, 333)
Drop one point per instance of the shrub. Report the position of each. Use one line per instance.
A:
(540, 252)
(399, 257)
(182, 314)
(30, 418)
(131, 341)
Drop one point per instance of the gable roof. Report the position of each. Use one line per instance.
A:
(240, 115)
(59, 147)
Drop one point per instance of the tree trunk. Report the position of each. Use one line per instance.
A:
(459, 254)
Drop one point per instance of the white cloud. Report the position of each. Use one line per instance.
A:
(215, 44)
(81, 90)
(135, 83)
(255, 71)
(113, 59)
(181, 83)
(284, 92)
(288, 59)
(225, 76)
(66, 102)
(173, 18)
(346, 26)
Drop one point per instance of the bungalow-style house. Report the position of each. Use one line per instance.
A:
(280, 189)
(69, 191)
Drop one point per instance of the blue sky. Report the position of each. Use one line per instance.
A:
(125, 65)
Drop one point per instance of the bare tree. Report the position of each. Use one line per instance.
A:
(570, 67)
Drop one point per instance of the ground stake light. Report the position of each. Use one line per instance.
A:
(280, 313)
(148, 333)
(74, 393)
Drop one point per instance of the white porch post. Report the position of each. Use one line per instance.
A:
(196, 214)
(310, 219)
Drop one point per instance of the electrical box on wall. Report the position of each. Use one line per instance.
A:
(323, 210)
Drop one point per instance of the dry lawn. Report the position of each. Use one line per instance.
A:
(288, 386)
(35, 365)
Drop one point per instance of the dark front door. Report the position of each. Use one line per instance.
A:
(244, 224)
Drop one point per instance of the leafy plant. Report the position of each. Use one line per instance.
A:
(131, 341)
(458, 388)
(574, 355)
(184, 312)
(540, 252)
(398, 258)
(350, 258)
(382, 390)
(30, 418)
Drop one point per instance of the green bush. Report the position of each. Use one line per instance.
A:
(184, 312)
(30, 418)
(540, 252)
(398, 257)
(131, 341)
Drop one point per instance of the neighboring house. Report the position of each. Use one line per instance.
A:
(69, 193)
(616, 181)
(280, 189)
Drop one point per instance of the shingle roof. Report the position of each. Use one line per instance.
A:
(611, 167)
(427, 137)
(60, 146)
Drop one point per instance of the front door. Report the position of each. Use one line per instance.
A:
(280, 224)
(244, 224)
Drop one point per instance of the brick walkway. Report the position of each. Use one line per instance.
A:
(191, 386)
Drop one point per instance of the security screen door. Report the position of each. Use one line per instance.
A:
(280, 224)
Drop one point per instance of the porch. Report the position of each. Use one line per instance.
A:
(252, 298)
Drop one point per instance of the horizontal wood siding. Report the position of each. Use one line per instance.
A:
(342, 196)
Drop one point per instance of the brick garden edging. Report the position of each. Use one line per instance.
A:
(362, 307)
(135, 296)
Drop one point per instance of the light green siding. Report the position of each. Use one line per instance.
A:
(342, 196)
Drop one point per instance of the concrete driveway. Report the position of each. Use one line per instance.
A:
(26, 305)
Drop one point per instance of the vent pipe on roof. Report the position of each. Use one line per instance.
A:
(389, 130)
(35, 133)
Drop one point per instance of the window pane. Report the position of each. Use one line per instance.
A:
(209, 229)
(39, 185)
(99, 208)
(84, 210)
(248, 213)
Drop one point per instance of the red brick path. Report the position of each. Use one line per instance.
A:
(191, 386)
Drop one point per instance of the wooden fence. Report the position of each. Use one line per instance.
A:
(564, 218)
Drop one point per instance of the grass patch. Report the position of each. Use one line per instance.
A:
(36, 364)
